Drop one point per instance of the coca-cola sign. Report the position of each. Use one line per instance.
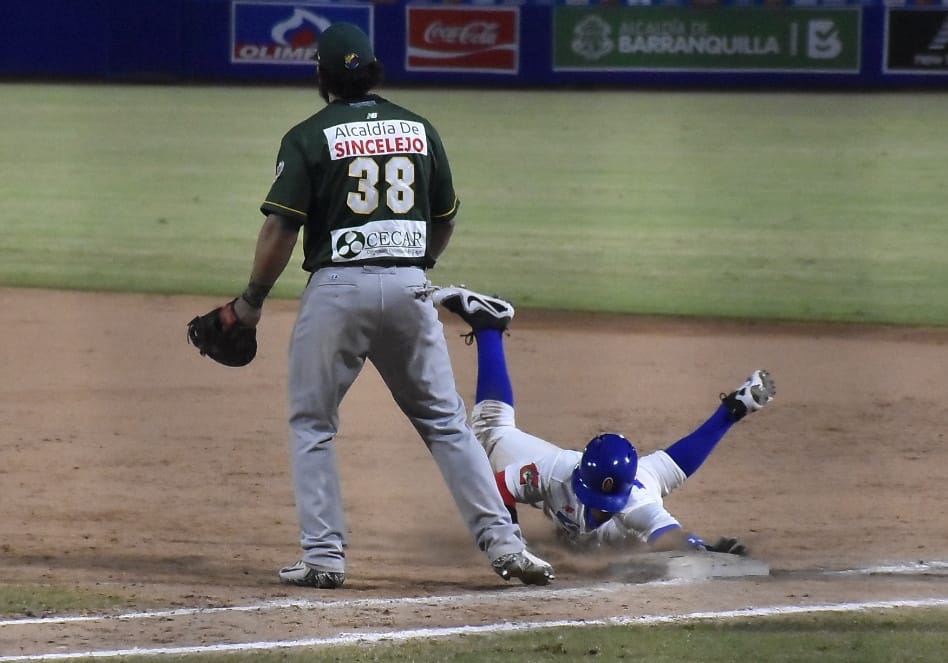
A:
(463, 39)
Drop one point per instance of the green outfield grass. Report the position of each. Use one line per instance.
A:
(791, 205)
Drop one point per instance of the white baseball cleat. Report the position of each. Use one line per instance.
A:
(478, 310)
(755, 393)
(303, 575)
(524, 565)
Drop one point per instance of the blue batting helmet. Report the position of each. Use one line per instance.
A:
(606, 473)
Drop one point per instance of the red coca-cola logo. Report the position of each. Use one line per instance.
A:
(479, 33)
(447, 38)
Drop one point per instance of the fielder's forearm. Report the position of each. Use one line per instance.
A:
(275, 246)
(440, 236)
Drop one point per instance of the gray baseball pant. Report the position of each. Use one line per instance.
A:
(348, 314)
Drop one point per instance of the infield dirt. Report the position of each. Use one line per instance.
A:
(134, 466)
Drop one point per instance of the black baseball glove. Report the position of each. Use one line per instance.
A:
(221, 336)
(728, 545)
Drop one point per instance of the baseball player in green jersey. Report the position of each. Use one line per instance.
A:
(369, 183)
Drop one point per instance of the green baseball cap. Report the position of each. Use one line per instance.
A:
(343, 47)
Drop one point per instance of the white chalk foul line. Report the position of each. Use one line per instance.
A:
(918, 568)
(467, 599)
(400, 636)
(914, 568)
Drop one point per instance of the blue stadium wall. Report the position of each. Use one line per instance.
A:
(731, 43)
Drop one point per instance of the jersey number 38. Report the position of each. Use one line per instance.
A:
(399, 174)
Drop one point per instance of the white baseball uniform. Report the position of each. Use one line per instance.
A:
(535, 472)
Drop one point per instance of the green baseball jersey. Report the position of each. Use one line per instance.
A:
(366, 179)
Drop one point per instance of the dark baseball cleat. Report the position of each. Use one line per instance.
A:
(478, 310)
(530, 569)
(755, 393)
(303, 575)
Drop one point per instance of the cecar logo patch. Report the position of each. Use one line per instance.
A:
(391, 238)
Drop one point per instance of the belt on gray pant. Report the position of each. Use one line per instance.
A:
(359, 265)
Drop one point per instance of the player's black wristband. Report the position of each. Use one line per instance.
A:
(255, 293)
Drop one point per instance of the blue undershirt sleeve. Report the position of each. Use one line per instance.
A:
(692, 450)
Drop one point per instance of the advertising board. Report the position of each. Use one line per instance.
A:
(286, 33)
(916, 41)
(462, 39)
(706, 39)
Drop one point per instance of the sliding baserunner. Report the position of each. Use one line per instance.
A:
(605, 494)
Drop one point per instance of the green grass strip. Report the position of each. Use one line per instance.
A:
(38, 600)
(875, 637)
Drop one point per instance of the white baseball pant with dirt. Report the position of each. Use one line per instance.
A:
(496, 430)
